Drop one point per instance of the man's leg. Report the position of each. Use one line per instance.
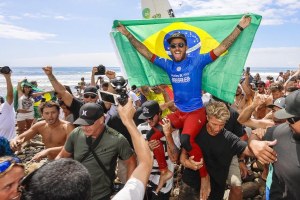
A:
(193, 123)
(234, 180)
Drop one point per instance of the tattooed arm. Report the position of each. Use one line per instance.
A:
(227, 42)
(140, 47)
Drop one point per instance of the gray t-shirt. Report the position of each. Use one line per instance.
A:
(111, 146)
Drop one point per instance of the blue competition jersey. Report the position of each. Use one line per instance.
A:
(186, 79)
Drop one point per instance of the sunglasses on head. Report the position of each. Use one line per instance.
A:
(93, 96)
(293, 120)
(174, 45)
(5, 165)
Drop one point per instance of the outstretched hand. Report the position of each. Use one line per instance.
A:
(122, 29)
(263, 151)
(166, 125)
(126, 111)
(245, 21)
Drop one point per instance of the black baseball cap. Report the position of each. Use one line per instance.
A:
(292, 106)
(89, 113)
(90, 90)
(280, 103)
(176, 35)
(149, 109)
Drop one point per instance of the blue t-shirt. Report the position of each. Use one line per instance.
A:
(186, 79)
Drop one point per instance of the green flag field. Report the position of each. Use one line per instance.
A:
(203, 34)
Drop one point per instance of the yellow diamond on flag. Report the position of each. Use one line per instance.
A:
(198, 40)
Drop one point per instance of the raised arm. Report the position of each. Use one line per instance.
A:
(9, 87)
(140, 47)
(94, 70)
(246, 87)
(227, 42)
(142, 171)
(58, 87)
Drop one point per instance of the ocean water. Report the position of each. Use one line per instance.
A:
(72, 75)
(66, 75)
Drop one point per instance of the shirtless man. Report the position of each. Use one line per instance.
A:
(54, 132)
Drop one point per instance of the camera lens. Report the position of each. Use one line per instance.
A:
(5, 70)
(100, 70)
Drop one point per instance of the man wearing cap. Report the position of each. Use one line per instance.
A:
(281, 144)
(90, 93)
(162, 143)
(93, 143)
(185, 74)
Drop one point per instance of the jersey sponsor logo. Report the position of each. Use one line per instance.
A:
(181, 79)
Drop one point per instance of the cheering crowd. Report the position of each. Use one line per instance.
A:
(91, 142)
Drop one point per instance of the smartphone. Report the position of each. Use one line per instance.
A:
(108, 97)
(248, 70)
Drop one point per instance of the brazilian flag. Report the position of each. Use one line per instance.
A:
(203, 34)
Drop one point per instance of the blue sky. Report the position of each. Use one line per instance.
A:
(76, 32)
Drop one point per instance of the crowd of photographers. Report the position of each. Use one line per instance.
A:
(95, 141)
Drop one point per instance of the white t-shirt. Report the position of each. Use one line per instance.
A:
(7, 121)
(155, 173)
(133, 96)
(25, 103)
(134, 189)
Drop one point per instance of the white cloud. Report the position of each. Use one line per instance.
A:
(48, 16)
(14, 17)
(1, 18)
(273, 12)
(274, 57)
(15, 32)
(60, 17)
(35, 15)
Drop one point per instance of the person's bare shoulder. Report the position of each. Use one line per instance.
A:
(39, 125)
(67, 126)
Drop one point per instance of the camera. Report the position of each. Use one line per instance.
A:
(5, 70)
(119, 84)
(100, 70)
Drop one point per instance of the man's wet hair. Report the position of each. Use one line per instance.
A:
(48, 104)
(60, 180)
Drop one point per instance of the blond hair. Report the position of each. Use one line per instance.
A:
(218, 110)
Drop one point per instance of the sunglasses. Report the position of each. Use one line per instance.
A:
(150, 118)
(293, 120)
(93, 96)
(5, 165)
(174, 45)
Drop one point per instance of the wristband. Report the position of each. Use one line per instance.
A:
(240, 28)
